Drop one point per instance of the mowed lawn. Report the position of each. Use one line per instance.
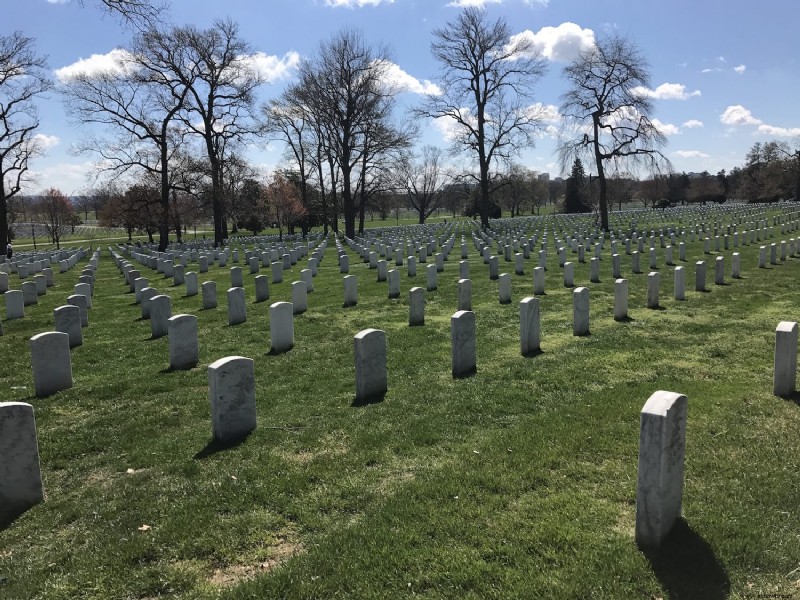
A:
(516, 482)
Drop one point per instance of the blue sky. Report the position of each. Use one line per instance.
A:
(724, 73)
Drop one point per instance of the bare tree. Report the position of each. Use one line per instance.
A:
(606, 117)
(56, 214)
(139, 14)
(22, 80)
(487, 84)
(425, 180)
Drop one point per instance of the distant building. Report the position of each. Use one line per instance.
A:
(544, 176)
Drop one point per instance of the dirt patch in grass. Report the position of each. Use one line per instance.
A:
(230, 575)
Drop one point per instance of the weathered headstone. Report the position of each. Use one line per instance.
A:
(394, 283)
(416, 306)
(277, 272)
(299, 297)
(20, 473)
(262, 288)
(538, 281)
(785, 374)
(580, 311)
(80, 301)
(719, 270)
(680, 283)
(237, 306)
(462, 340)
(237, 279)
(504, 289)
(569, 274)
(160, 312)
(464, 294)
(29, 295)
(370, 358)
(232, 392)
(68, 320)
(662, 444)
(529, 326)
(620, 299)
(281, 327)
(15, 304)
(700, 276)
(432, 277)
(209, 295)
(350, 290)
(653, 282)
(191, 284)
(184, 350)
(51, 362)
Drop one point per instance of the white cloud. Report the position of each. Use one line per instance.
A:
(691, 154)
(561, 44)
(46, 142)
(666, 91)
(548, 113)
(112, 62)
(666, 128)
(271, 67)
(401, 81)
(354, 3)
(738, 115)
(779, 131)
(714, 70)
(692, 124)
(740, 69)
(450, 129)
(478, 3)
(542, 3)
(58, 1)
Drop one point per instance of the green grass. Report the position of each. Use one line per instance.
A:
(517, 482)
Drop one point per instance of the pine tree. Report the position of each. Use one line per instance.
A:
(575, 197)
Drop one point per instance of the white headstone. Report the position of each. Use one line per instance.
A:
(680, 283)
(20, 473)
(653, 282)
(580, 311)
(662, 443)
(160, 312)
(350, 290)
(736, 266)
(277, 272)
(569, 274)
(83, 289)
(80, 302)
(504, 290)
(29, 295)
(184, 350)
(370, 359)
(463, 269)
(462, 340)
(308, 277)
(15, 304)
(620, 299)
(394, 283)
(529, 326)
(281, 327)
(416, 306)
(68, 320)
(52, 366)
(464, 294)
(209, 295)
(299, 297)
(237, 306)
(191, 283)
(719, 270)
(785, 374)
(700, 276)
(232, 392)
(538, 281)
(412, 266)
(262, 288)
(237, 279)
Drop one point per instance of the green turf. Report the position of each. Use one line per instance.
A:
(517, 482)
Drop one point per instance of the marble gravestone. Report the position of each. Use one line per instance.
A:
(20, 473)
(232, 393)
(370, 360)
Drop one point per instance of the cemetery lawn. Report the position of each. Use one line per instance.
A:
(516, 482)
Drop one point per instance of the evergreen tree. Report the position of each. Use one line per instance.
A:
(576, 198)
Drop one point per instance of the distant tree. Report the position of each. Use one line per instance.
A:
(56, 214)
(515, 188)
(677, 188)
(487, 85)
(605, 115)
(555, 188)
(424, 179)
(283, 204)
(576, 198)
(705, 188)
(23, 78)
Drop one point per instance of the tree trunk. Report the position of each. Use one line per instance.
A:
(601, 175)
(4, 234)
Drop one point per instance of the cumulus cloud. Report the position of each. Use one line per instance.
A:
(740, 69)
(478, 3)
(779, 131)
(45, 142)
(666, 128)
(738, 115)
(450, 129)
(666, 91)
(113, 62)
(272, 68)
(354, 3)
(561, 44)
(401, 81)
(693, 124)
(691, 154)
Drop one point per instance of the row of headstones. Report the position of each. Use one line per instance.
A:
(662, 436)
(40, 269)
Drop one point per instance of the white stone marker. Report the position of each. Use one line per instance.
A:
(462, 340)
(281, 327)
(620, 299)
(494, 268)
(209, 295)
(277, 272)
(237, 306)
(184, 352)
(307, 276)
(232, 392)
(80, 302)
(344, 263)
(52, 366)
(538, 281)
(41, 284)
(254, 267)
(569, 274)
(662, 444)
(653, 282)
(412, 266)
(580, 311)
(700, 276)
(29, 295)
(382, 270)
(433, 277)
(370, 358)
(191, 284)
(529, 326)
(653, 262)
(463, 269)
(262, 288)
(83, 289)
(15, 305)
(616, 267)
(203, 264)
(762, 257)
(299, 297)
(68, 320)
(394, 283)
(680, 283)
(719, 270)
(160, 312)
(736, 261)
(519, 264)
(237, 279)
(416, 307)
(464, 294)
(773, 254)
(785, 376)
(350, 290)
(594, 270)
(178, 275)
(635, 262)
(3, 282)
(20, 473)
(504, 289)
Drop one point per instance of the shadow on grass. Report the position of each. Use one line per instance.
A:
(366, 401)
(214, 446)
(687, 567)
(8, 516)
(466, 374)
(659, 307)
(533, 353)
(626, 319)
(793, 397)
